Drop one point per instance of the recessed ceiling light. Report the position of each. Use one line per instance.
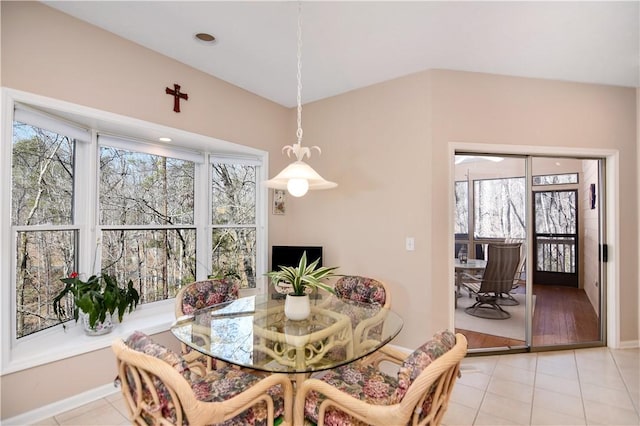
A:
(205, 38)
(164, 139)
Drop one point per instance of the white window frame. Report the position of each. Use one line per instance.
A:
(55, 343)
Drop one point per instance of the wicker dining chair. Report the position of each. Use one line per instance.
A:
(159, 388)
(199, 295)
(360, 394)
(368, 291)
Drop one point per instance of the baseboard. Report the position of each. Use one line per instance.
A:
(629, 344)
(58, 407)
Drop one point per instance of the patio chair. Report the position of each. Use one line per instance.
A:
(497, 280)
(370, 291)
(361, 394)
(159, 388)
(199, 295)
(507, 299)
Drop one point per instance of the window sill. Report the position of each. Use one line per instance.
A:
(57, 343)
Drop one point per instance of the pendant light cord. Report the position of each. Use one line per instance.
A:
(299, 75)
(297, 149)
(298, 177)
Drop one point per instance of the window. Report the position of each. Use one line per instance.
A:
(499, 208)
(79, 200)
(42, 216)
(233, 220)
(146, 208)
(558, 179)
(461, 192)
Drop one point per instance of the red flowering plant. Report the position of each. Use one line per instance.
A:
(96, 297)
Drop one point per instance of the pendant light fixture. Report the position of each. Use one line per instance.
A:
(299, 177)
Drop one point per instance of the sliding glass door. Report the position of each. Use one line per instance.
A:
(568, 271)
(555, 294)
(490, 221)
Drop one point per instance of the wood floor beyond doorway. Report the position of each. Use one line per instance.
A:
(562, 316)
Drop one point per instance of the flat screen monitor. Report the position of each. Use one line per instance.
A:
(290, 255)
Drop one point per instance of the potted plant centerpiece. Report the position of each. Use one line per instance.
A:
(95, 301)
(298, 281)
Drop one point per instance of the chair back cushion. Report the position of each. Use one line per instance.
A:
(502, 263)
(201, 294)
(364, 382)
(228, 382)
(142, 343)
(415, 363)
(361, 289)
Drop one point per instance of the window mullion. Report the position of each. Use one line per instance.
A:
(202, 220)
(86, 205)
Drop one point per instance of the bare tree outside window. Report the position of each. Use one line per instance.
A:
(461, 225)
(41, 205)
(145, 220)
(233, 189)
(556, 219)
(499, 208)
(499, 213)
(139, 189)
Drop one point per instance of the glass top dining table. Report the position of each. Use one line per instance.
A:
(253, 332)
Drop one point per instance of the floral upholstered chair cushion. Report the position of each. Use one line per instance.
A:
(201, 294)
(363, 382)
(217, 386)
(224, 383)
(143, 343)
(370, 295)
(372, 386)
(415, 363)
(361, 289)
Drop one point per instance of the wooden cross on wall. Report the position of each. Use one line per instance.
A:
(176, 96)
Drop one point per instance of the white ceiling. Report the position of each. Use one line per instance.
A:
(348, 45)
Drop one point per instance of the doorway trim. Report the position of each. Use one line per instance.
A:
(611, 307)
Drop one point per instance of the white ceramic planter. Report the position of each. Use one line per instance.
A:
(297, 308)
(99, 328)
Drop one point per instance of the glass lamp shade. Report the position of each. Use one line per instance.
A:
(293, 178)
(297, 187)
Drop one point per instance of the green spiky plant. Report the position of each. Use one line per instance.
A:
(95, 297)
(304, 275)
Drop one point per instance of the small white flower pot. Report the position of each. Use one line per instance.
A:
(297, 308)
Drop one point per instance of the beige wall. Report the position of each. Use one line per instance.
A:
(490, 109)
(51, 54)
(386, 146)
(389, 149)
(374, 144)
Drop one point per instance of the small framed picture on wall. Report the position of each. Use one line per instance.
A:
(279, 196)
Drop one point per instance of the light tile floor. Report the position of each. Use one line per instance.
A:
(595, 386)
